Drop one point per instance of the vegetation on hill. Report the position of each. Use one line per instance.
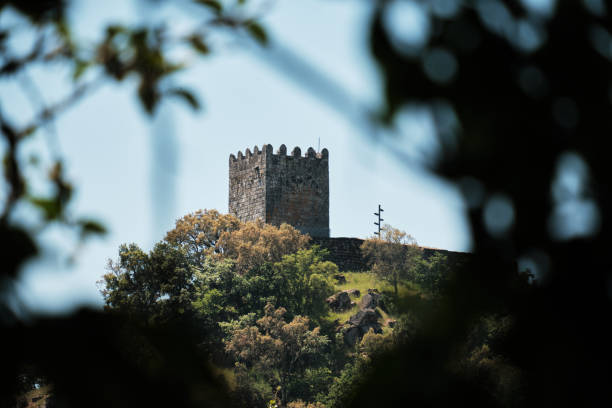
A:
(257, 300)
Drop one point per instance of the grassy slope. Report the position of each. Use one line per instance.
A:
(364, 281)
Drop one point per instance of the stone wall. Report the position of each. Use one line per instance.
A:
(346, 253)
(247, 187)
(281, 188)
(297, 190)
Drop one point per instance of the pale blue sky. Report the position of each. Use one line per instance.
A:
(113, 152)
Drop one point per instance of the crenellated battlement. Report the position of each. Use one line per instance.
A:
(281, 188)
(267, 150)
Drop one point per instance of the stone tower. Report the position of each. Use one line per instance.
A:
(280, 188)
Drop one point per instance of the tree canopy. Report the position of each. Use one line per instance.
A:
(256, 243)
(395, 256)
(158, 285)
(198, 233)
(279, 350)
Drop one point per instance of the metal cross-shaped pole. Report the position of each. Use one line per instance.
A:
(380, 220)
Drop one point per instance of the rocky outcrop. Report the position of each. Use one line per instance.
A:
(359, 324)
(340, 279)
(353, 292)
(372, 300)
(340, 301)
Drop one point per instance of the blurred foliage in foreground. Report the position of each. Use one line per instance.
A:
(83, 354)
(520, 95)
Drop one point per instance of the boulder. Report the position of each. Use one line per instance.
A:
(340, 301)
(372, 300)
(353, 292)
(362, 318)
(359, 324)
(352, 335)
(368, 302)
(340, 279)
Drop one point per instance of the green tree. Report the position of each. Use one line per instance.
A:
(393, 257)
(208, 233)
(217, 290)
(223, 299)
(278, 350)
(432, 274)
(256, 243)
(373, 344)
(300, 283)
(187, 278)
(198, 233)
(303, 282)
(343, 388)
(158, 285)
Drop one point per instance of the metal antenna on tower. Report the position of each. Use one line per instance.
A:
(319, 146)
(380, 220)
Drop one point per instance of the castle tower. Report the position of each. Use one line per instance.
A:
(280, 188)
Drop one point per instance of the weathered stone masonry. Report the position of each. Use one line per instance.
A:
(294, 189)
(346, 253)
(280, 188)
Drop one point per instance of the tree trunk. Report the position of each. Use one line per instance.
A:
(395, 286)
(283, 393)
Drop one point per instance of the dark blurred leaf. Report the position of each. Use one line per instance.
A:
(12, 173)
(64, 189)
(91, 227)
(186, 95)
(149, 96)
(257, 32)
(50, 207)
(198, 44)
(38, 11)
(63, 29)
(17, 247)
(79, 68)
(10, 67)
(108, 55)
(212, 4)
(28, 131)
(114, 29)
